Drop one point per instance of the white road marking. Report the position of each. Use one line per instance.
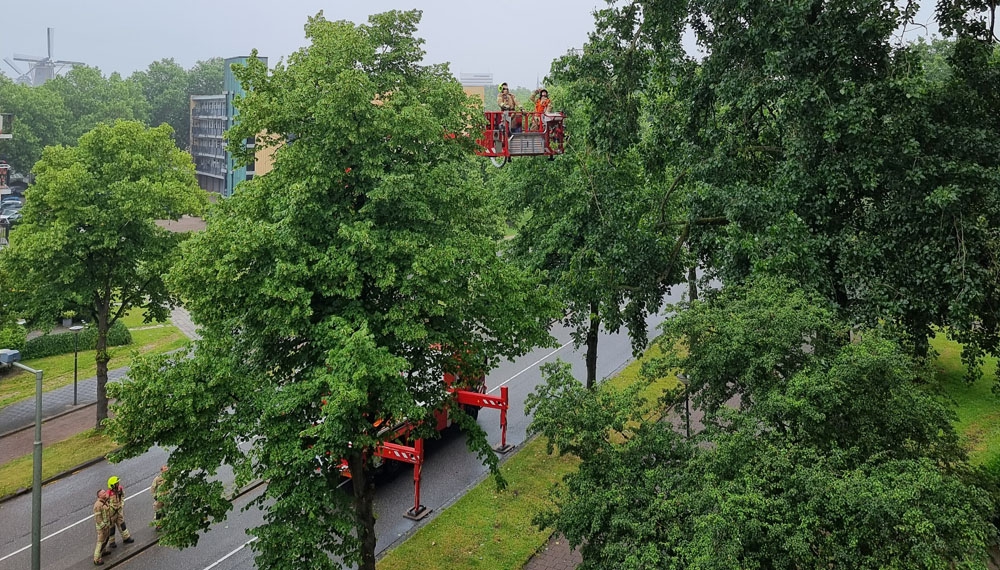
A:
(239, 548)
(529, 367)
(64, 529)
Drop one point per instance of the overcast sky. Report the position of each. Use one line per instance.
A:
(516, 40)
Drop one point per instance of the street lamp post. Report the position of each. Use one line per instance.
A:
(8, 356)
(76, 348)
(687, 409)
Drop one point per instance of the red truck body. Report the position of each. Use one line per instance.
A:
(472, 400)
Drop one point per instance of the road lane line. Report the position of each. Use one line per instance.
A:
(64, 529)
(529, 367)
(239, 548)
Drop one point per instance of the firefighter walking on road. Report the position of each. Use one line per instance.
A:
(116, 501)
(102, 519)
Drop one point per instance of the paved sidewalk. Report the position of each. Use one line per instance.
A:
(22, 414)
(182, 320)
(556, 555)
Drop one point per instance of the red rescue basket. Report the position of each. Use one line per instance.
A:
(521, 133)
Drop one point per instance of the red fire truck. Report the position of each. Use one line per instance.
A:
(472, 396)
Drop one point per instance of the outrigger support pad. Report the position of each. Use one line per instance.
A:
(504, 448)
(416, 513)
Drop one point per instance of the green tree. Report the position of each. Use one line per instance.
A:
(593, 219)
(838, 156)
(165, 87)
(835, 458)
(40, 120)
(92, 98)
(206, 77)
(332, 293)
(88, 241)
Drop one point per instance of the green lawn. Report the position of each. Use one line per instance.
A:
(58, 370)
(977, 407)
(56, 458)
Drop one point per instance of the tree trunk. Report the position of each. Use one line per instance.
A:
(595, 326)
(102, 363)
(364, 508)
(692, 284)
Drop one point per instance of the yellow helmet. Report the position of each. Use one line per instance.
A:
(112, 481)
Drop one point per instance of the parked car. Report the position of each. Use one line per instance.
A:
(9, 201)
(10, 216)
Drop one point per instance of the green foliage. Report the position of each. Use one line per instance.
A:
(206, 77)
(91, 99)
(167, 88)
(835, 457)
(64, 343)
(40, 119)
(89, 243)
(60, 111)
(13, 336)
(598, 224)
(332, 293)
(164, 85)
(861, 167)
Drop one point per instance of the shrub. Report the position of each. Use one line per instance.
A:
(13, 337)
(52, 344)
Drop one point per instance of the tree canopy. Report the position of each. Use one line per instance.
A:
(168, 88)
(595, 220)
(332, 292)
(837, 155)
(836, 457)
(88, 242)
(841, 184)
(63, 109)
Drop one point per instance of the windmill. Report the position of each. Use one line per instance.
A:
(40, 69)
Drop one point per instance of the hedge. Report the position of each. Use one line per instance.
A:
(13, 337)
(52, 344)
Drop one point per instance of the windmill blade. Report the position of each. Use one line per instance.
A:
(22, 57)
(64, 62)
(52, 37)
(12, 66)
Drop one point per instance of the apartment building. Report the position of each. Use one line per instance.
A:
(211, 116)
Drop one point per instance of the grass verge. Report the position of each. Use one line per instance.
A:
(493, 529)
(56, 458)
